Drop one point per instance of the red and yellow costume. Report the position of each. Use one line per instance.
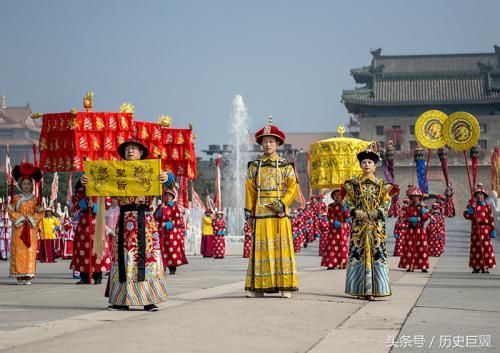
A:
(271, 186)
(25, 214)
(207, 236)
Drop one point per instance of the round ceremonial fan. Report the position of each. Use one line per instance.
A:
(429, 129)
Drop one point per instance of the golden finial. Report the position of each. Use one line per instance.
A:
(88, 101)
(36, 115)
(341, 130)
(165, 120)
(127, 108)
(73, 111)
(270, 120)
(190, 126)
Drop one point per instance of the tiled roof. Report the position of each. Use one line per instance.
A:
(435, 64)
(424, 91)
(19, 117)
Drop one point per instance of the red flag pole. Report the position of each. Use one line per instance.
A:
(427, 165)
(468, 173)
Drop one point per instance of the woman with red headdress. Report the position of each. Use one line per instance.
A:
(435, 231)
(26, 214)
(337, 248)
(482, 256)
(271, 187)
(172, 232)
(219, 243)
(82, 260)
(415, 255)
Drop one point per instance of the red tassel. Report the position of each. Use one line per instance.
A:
(25, 235)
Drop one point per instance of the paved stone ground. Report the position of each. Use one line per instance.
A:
(207, 310)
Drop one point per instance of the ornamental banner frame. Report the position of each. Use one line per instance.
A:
(123, 178)
(429, 129)
(461, 131)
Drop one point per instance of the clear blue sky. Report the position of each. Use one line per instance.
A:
(189, 58)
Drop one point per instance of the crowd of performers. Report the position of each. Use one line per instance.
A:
(140, 240)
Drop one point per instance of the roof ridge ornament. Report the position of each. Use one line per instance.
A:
(376, 53)
(341, 130)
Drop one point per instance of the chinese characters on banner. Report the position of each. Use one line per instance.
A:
(123, 178)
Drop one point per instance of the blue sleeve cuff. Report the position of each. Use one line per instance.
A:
(171, 179)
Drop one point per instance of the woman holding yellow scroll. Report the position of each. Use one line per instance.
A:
(368, 199)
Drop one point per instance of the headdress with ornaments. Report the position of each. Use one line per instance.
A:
(27, 171)
(369, 154)
(169, 191)
(270, 130)
(334, 191)
(480, 188)
(413, 191)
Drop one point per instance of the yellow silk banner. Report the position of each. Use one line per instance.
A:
(123, 178)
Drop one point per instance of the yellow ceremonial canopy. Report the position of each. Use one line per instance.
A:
(334, 161)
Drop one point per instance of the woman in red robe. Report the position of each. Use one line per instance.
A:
(219, 249)
(416, 249)
(172, 232)
(337, 248)
(82, 259)
(435, 232)
(480, 213)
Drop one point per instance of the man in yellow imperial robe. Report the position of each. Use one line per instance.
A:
(271, 186)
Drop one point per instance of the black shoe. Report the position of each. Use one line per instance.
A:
(117, 307)
(331, 268)
(476, 270)
(425, 271)
(150, 308)
(98, 281)
(82, 282)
